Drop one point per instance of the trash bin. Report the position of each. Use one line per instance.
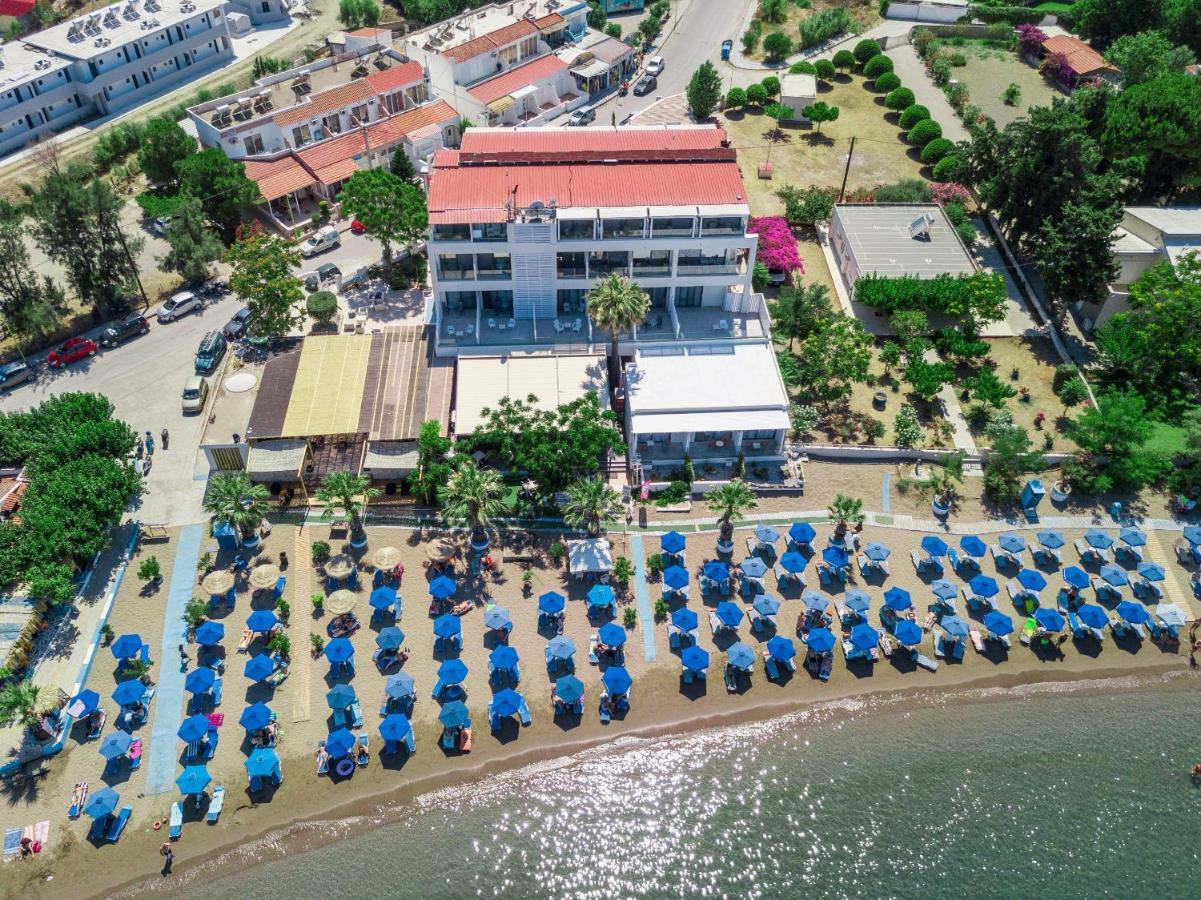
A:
(1032, 494)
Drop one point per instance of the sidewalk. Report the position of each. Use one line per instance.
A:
(912, 72)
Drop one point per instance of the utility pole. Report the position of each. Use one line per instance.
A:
(133, 266)
(847, 171)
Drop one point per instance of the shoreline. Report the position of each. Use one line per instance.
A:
(346, 818)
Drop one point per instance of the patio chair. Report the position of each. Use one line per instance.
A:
(469, 330)
(215, 806)
(577, 325)
(772, 668)
(558, 327)
(492, 323)
(512, 323)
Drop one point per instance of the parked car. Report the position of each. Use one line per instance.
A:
(130, 326)
(357, 227)
(582, 116)
(209, 353)
(179, 305)
(14, 373)
(325, 275)
(645, 85)
(195, 394)
(236, 326)
(655, 66)
(726, 46)
(322, 239)
(72, 350)
(161, 225)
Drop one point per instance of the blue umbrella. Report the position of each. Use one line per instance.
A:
(684, 619)
(1049, 619)
(897, 599)
(729, 614)
(954, 626)
(258, 667)
(200, 680)
(765, 605)
(261, 620)
(1099, 539)
(1170, 614)
(1114, 575)
(442, 587)
(569, 689)
(793, 562)
(115, 744)
(781, 648)
(1092, 615)
(673, 542)
(908, 633)
(497, 618)
(193, 780)
(815, 600)
(972, 546)
(1052, 540)
(339, 743)
(262, 762)
(836, 557)
(400, 685)
(127, 645)
(944, 589)
(447, 626)
(766, 534)
(998, 623)
(255, 716)
(551, 603)
(600, 595)
(102, 803)
(1076, 577)
(863, 637)
(934, 545)
(390, 638)
(741, 656)
(1031, 580)
(210, 633)
(984, 586)
(1012, 543)
(612, 635)
(1151, 571)
(1132, 536)
(1192, 534)
(676, 578)
(802, 533)
(454, 714)
(383, 597)
(877, 552)
(716, 571)
(193, 728)
(395, 727)
(129, 692)
(695, 658)
(340, 696)
(561, 647)
(821, 640)
(1132, 612)
(453, 671)
(507, 702)
(753, 567)
(339, 650)
(503, 657)
(87, 701)
(857, 600)
(617, 679)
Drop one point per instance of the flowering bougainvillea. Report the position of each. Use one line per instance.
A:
(948, 192)
(777, 244)
(1057, 65)
(1030, 38)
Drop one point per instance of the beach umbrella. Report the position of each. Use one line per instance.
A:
(339, 566)
(600, 595)
(262, 762)
(1031, 580)
(934, 545)
(497, 618)
(954, 626)
(200, 680)
(258, 667)
(1098, 539)
(617, 680)
(1012, 543)
(255, 716)
(402, 684)
(114, 744)
(209, 633)
(127, 645)
(944, 589)
(765, 534)
(341, 602)
(442, 587)
(802, 533)
(695, 658)
(102, 803)
(836, 557)
(857, 601)
(1114, 575)
(1052, 540)
(1133, 537)
(864, 637)
(389, 638)
(897, 599)
(673, 542)
(83, 704)
(972, 546)
(815, 600)
(781, 648)
(765, 605)
(218, 582)
(551, 603)
(386, 558)
(1092, 616)
(454, 714)
(984, 586)
(741, 656)
(395, 727)
(561, 647)
(447, 626)
(569, 689)
(684, 619)
(1076, 577)
(339, 743)
(1049, 619)
(383, 597)
(753, 567)
(193, 728)
(998, 623)
(729, 614)
(453, 671)
(261, 620)
(507, 702)
(340, 696)
(193, 780)
(1170, 614)
(676, 578)
(612, 635)
(339, 650)
(1192, 534)
(1133, 612)
(264, 576)
(503, 657)
(129, 692)
(793, 562)
(1151, 571)
(908, 633)
(821, 640)
(877, 552)
(716, 571)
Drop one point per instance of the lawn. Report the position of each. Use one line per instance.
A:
(1034, 359)
(1166, 438)
(864, 14)
(1054, 7)
(989, 71)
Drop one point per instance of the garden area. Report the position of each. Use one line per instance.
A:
(784, 27)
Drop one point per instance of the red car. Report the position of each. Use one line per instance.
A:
(356, 227)
(73, 349)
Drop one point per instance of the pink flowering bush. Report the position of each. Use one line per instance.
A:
(1030, 38)
(946, 192)
(777, 244)
(1057, 65)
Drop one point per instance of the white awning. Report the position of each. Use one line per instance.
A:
(591, 556)
(524, 91)
(727, 209)
(591, 69)
(731, 420)
(386, 460)
(673, 212)
(577, 212)
(622, 212)
(279, 460)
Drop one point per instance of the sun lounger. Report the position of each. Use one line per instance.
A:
(940, 645)
(886, 646)
(1001, 556)
(605, 713)
(686, 674)
(216, 692)
(1028, 631)
(79, 796)
(356, 714)
(827, 664)
(465, 740)
(523, 712)
(593, 642)
(1014, 590)
(247, 640)
(135, 755)
(771, 667)
(322, 759)
(211, 746)
(931, 621)
(99, 717)
(95, 833)
(340, 717)
(731, 681)
(925, 662)
(364, 754)
(175, 823)
(977, 639)
(215, 805)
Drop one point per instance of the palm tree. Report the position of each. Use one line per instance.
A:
(730, 501)
(349, 492)
(235, 499)
(617, 303)
(845, 510)
(590, 502)
(472, 495)
(21, 702)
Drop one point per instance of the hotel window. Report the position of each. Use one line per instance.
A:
(688, 296)
(332, 124)
(253, 144)
(576, 229)
(360, 113)
(301, 135)
(460, 301)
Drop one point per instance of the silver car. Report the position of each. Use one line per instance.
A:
(195, 395)
(14, 373)
(179, 305)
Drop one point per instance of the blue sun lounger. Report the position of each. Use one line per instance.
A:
(363, 758)
(96, 832)
(772, 667)
(211, 748)
(523, 712)
(356, 714)
(175, 824)
(218, 801)
(118, 826)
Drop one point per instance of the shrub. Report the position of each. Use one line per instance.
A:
(776, 46)
(805, 418)
(844, 60)
(958, 60)
(921, 39)
(946, 168)
(777, 243)
(661, 609)
(150, 570)
(824, 25)
(283, 609)
(877, 65)
(912, 190)
(623, 570)
(322, 307)
(317, 642)
(912, 115)
(736, 98)
(318, 601)
(675, 492)
(949, 192)
(825, 69)
(806, 207)
(887, 82)
(957, 96)
(924, 132)
(940, 71)
(157, 205)
(629, 617)
(280, 644)
(771, 84)
(934, 151)
(750, 37)
(899, 99)
(907, 430)
(756, 95)
(873, 430)
(803, 68)
(1012, 95)
(556, 550)
(981, 296)
(865, 50)
(319, 550)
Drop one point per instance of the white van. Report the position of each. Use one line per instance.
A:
(325, 238)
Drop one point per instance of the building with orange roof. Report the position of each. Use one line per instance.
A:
(1072, 61)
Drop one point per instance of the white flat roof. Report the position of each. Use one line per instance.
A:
(879, 237)
(798, 85)
(1169, 219)
(128, 25)
(482, 381)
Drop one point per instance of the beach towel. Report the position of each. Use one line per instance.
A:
(12, 843)
(216, 719)
(39, 834)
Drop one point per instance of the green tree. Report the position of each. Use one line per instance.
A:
(613, 30)
(350, 493)
(730, 501)
(1111, 438)
(1156, 126)
(236, 500)
(392, 211)
(845, 510)
(776, 46)
(819, 112)
(263, 276)
(596, 17)
(824, 69)
(164, 146)
(836, 355)
(358, 13)
(910, 324)
(877, 66)
(1182, 22)
(913, 114)
(31, 305)
(590, 501)
(704, 91)
(806, 207)
(928, 378)
(192, 244)
(22, 702)
(772, 85)
(936, 150)
(735, 98)
(907, 429)
(1146, 55)
(1104, 21)
(322, 307)
(221, 185)
(886, 83)
(801, 310)
(865, 50)
(844, 60)
(924, 132)
(473, 496)
(1075, 254)
(756, 95)
(986, 387)
(401, 166)
(778, 111)
(899, 99)
(1009, 458)
(617, 304)
(773, 11)
(435, 461)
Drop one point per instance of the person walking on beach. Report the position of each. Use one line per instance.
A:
(167, 852)
(164, 437)
(149, 444)
(184, 659)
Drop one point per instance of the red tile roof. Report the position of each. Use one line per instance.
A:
(491, 41)
(517, 77)
(394, 77)
(279, 177)
(520, 143)
(549, 22)
(13, 499)
(369, 32)
(1083, 59)
(327, 101)
(16, 8)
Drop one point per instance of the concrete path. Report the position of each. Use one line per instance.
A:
(912, 72)
(642, 594)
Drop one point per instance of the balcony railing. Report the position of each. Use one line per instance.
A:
(596, 268)
(664, 231)
(707, 269)
(458, 274)
(572, 272)
(647, 269)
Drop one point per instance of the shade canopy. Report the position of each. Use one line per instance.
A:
(389, 638)
(210, 633)
(560, 647)
(753, 567)
(339, 650)
(815, 600)
(612, 635)
(383, 597)
(934, 545)
(402, 684)
(129, 692)
(765, 605)
(836, 557)
(102, 803)
(1049, 619)
(218, 582)
(1050, 539)
(193, 780)
(503, 657)
(1114, 575)
(984, 586)
(255, 716)
(1192, 534)
(386, 558)
(684, 619)
(341, 602)
(617, 680)
(1098, 539)
(716, 571)
(802, 533)
(857, 600)
(340, 696)
(972, 546)
(1012, 543)
(127, 645)
(944, 589)
(258, 667)
(741, 656)
(998, 623)
(551, 603)
(673, 542)
(200, 680)
(1133, 537)
(1076, 577)
(442, 587)
(877, 552)
(264, 575)
(453, 671)
(793, 562)
(821, 640)
(339, 743)
(454, 714)
(193, 728)
(1133, 612)
(339, 566)
(908, 633)
(1092, 615)
(1170, 614)
(505, 703)
(1151, 571)
(497, 618)
(569, 689)
(864, 637)
(600, 595)
(695, 658)
(261, 620)
(262, 762)
(114, 744)
(729, 614)
(781, 648)
(765, 534)
(954, 626)
(447, 626)
(1031, 580)
(83, 704)
(395, 727)
(676, 578)
(897, 599)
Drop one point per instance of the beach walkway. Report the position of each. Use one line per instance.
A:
(642, 594)
(300, 663)
(168, 710)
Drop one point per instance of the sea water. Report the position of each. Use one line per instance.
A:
(1056, 791)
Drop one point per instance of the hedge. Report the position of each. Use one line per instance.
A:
(1014, 15)
(924, 132)
(934, 151)
(899, 99)
(877, 65)
(912, 115)
(887, 82)
(803, 68)
(945, 168)
(865, 50)
(953, 295)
